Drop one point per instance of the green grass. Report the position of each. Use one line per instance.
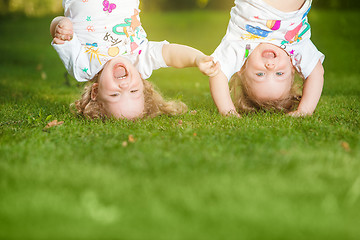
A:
(265, 176)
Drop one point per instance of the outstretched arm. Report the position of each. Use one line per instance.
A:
(312, 90)
(181, 56)
(61, 29)
(219, 89)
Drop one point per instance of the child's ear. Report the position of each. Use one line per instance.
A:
(94, 91)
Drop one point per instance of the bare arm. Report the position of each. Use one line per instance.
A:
(286, 5)
(219, 89)
(181, 56)
(61, 30)
(312, 90)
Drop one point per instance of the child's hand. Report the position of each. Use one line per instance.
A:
(63, 31)
(312, 89)
(207, 66)
(233, 113)
(298, 113)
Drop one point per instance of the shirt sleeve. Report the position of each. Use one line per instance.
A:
(307, 57)
(66, 4)
(151, 59)
(75, 61)
(230, 54)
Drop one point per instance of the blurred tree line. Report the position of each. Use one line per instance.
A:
(30, 7)
(43, 7)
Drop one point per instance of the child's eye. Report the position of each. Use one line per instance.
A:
(134, 91)
(260, 74)
(115, 95)
(279, 73)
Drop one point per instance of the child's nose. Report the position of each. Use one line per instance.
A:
(124, 84)
(269, 65)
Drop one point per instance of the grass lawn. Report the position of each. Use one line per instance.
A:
(265, 176)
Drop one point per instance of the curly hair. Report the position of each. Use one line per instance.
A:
(246, 102)
(155, 104)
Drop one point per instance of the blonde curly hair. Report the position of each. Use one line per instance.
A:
(155, 104)
(245, 101)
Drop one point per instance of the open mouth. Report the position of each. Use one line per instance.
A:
(269, 54)
(120, 71)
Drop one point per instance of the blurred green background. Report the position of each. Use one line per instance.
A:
(44, 7)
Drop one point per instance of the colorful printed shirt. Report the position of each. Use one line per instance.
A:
(253, 22)
(103, 30)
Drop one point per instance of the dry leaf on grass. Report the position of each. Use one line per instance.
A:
(54, 124)
(345, 146)
(131, 139)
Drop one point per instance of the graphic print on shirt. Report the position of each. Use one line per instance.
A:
(131, 28)
(94, 53)
(108, 7)
(114, 40)
(291, 36)
(273, 24)
(295, 35)
(257, 31)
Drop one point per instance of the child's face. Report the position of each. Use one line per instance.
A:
(269, 72)
(121, 89)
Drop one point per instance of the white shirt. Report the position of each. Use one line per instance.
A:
(253, 22)
(104, 30)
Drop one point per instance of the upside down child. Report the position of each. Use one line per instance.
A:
(267, 42)
(104, 43)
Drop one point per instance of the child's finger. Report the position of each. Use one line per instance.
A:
(233, 113)
(208, 58)
(216, 66)
(64, 37)
(65, 24)
(297, 113)
(64, 31)
(213, 73)
(58, 41)
(65, 27)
